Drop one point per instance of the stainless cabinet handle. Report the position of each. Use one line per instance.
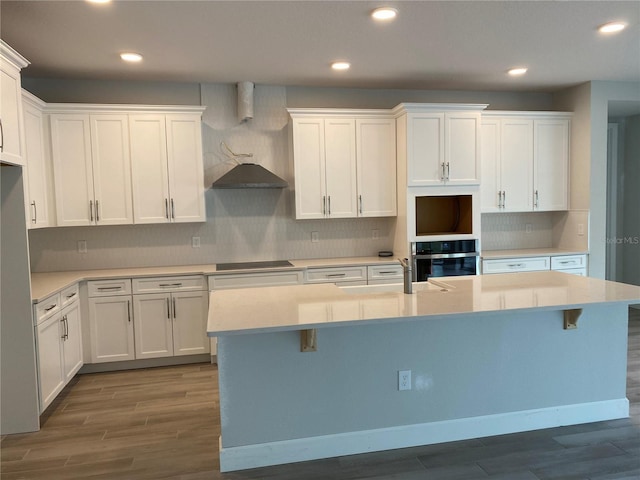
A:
(173, 210)
(63, 329)
(108, 289)
(170, 285)
(387, 273)
(536, 199)
(568, 262)
(166, 208)
(71, 296)
(97, 211)
(168, 310)
(173, 300)
(504, 198)
(329, 205)
(91, 209)
(324, 205)
(66, 327)
(51, 307)
(35, 212)
(360, 198)
(129, 310)
(1, 136)
(516, 265)
(447, 175)
(332, 275)
(442, 173)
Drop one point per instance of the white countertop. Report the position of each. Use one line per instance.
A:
(529, 252)
(300, 307)
(45, 284)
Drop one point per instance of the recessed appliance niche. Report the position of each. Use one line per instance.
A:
(444, 215)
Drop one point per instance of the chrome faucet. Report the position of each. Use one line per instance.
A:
(407, 274)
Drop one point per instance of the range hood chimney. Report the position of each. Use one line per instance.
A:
(247, 175)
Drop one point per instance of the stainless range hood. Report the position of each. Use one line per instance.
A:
(249, 175)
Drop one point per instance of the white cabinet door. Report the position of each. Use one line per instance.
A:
(185, 166)
(50, 371)
(71, 341)
(10, 114)
(73, 172)
(37, 192)
(425, 149)
(551, 164)
(462, 150)
(111, 166)
(340, 167)
(490, 191)
(111, 329)
(309, 168)
(376, 167)
(516, 164)
(153, 325)
(190, 310)
(149, 170)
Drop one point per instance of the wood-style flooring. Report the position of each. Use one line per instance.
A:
(163, 423)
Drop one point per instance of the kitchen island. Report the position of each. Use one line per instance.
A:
(312, 371)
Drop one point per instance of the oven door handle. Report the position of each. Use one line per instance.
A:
(446, 255)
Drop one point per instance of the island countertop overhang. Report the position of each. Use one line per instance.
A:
(302, 307)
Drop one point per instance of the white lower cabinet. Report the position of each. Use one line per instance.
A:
(168, 324)
(59, 343)
(171, 319)
(348, 275)
(111, 321)
(574, 264)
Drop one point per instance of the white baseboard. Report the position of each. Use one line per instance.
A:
(350, 443)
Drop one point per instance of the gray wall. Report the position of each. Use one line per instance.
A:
(630, 248)
(19, 410)
(241, 225)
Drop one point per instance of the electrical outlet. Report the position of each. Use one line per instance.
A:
(581, 229)
(314, 237)
(195, 242)
(375, 234)
(527, 228)
(404, 380)
(82, 246)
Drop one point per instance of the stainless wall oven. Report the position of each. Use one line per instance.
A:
(444, 259)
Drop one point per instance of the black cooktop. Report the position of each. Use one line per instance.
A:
(252, 265)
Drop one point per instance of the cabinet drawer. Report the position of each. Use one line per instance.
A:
(47, 307)
(336, 274)
(69, 295)
(568, 261)
(246, 280)
(163, 284)
(574, 271)
(106, 288)
(529, 264)
(382, 272)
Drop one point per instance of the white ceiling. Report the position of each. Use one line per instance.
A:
(453, 45)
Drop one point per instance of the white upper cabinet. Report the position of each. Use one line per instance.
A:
(11, 126)
(344, 163)
(376, 166)
(92, 169)
(167, 167)
(38, 174)
(441, 144)
(525, 161)
(551, 167)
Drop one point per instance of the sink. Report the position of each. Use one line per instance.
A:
(395, 288)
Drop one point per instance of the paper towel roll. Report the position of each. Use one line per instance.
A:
(245, 101)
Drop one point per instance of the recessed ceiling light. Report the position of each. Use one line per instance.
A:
(517, 71)
(131, 57)
(384, 13)
(99, 1)
(612, 27)
(340, 65)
